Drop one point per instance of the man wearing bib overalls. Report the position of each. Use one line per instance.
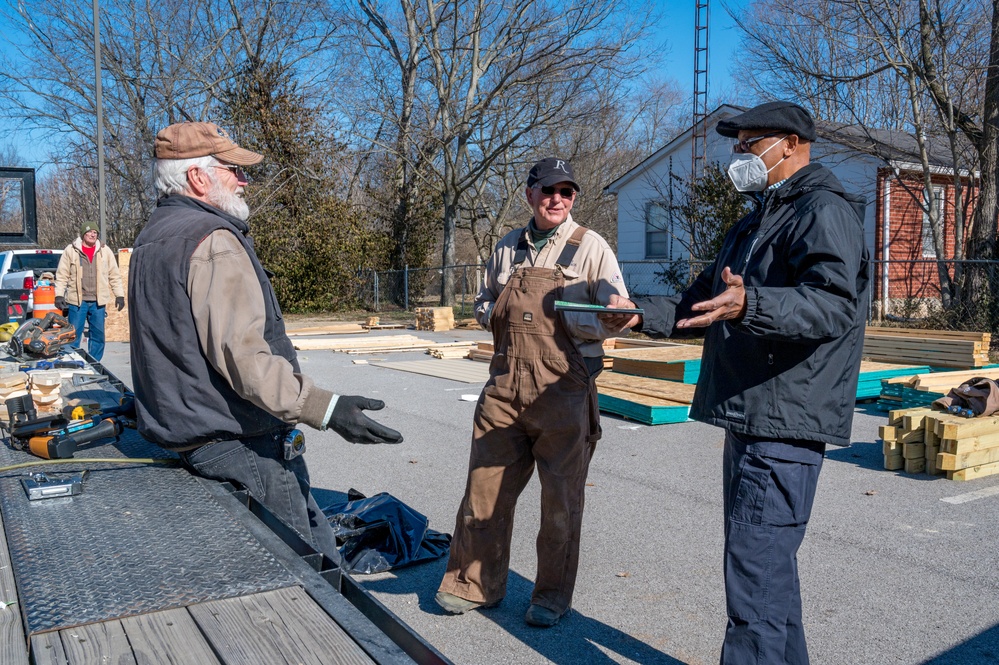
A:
(539, 406)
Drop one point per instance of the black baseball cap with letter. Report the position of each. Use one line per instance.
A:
(779, 116)
(551, 171)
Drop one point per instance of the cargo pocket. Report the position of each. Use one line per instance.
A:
(773, 492)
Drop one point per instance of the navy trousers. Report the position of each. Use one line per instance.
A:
(258, 464)
(769, 488)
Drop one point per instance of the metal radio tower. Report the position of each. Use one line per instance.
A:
(699, 131)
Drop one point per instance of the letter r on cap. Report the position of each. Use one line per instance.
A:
(559, 164)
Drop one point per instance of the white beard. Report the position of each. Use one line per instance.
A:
(226, 201)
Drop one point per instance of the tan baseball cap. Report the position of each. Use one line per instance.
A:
(186, 140)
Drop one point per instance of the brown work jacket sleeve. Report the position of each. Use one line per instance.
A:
(228, 308)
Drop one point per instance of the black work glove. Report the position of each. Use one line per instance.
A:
(60, 303)
(119, 303)
(349, 422)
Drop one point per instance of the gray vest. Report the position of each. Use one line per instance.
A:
(180, 399)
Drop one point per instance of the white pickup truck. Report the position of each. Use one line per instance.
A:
(21, 268)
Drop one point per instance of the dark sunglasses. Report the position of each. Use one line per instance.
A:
(744, 145)
(564, 192)
(233, 169)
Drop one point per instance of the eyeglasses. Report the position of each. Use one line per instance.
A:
(564, 192)
(233, 169)
(744, 145)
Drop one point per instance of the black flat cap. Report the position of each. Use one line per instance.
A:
(778, 116)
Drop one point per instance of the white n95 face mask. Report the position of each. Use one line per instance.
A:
(748, 172)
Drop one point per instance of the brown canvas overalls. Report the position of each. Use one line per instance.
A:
(538, 407)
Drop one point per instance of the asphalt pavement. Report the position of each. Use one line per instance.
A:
(895, 569)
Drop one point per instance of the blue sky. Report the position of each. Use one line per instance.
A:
(676, 30)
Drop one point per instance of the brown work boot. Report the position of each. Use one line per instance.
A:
(542, 617)
(457, 605)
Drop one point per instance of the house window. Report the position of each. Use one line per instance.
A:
(658, 233)
(938, 205)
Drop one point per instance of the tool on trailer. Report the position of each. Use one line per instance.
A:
(39, 486)
(54, 436)
(87, 379)
(44, 338)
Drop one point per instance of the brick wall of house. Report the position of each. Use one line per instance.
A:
(906, 278)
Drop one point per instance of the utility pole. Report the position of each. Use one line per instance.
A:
(100, 121)
(700, 112)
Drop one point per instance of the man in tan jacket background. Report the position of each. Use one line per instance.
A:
(86, 280)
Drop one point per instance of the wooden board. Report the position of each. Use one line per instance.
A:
(282, 626)
(169, 636)
(331, 329)
(455, 369)
(675, 363)
(877, 331)
(13, 650)
(974, 472)
(677, 393)
(373, 344)
(643, 409)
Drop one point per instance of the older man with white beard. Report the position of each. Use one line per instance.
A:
(216, 378)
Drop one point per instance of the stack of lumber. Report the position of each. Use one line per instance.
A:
(924, 440)
(905, 392)
(116, 323)
(371, 344)
(675, 363)
(483, 352)
(11, 385)
(46, 390)
(612, 343)
(649, 401)
(873, 375)
(939, 348)
(451, 350)
(437, 319)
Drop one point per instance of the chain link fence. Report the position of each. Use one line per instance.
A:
(905, 293)
(403, 290)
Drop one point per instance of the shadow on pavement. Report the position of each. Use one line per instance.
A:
(982, 648)
(576, 639)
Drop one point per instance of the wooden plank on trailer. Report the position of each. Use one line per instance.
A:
(275, 627)
(166, 638)
(103, 642)
(13, 648)
(46, 649)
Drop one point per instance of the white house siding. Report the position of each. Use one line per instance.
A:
(643, 185)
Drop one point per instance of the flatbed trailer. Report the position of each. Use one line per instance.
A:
(151, 564)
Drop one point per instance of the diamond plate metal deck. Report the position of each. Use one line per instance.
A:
(140, 538)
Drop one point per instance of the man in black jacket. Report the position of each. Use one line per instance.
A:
(782, 312)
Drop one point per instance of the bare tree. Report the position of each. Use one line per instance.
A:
(912, 65)
(488, 74)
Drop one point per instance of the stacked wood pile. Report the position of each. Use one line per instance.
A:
(676, 363)
(904, 392)
(451, 350)
(116, 323)
(483, 352)
(437, 319)
(643, 399)
(939, 348)
(924, 440)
